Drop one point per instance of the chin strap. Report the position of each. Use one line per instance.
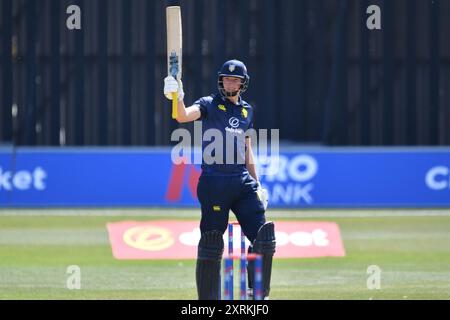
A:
(231, 94)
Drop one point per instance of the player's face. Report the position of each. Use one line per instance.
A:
(231, 84)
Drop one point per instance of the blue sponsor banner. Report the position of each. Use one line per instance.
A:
(298, 178)
(338, 178)
(84, 177)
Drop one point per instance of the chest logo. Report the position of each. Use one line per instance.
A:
(244, 112)
(234, 122)
(222, 107)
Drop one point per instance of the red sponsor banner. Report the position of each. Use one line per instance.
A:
(180, 173)
(165, 239)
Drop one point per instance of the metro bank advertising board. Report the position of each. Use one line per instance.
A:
(300, 178)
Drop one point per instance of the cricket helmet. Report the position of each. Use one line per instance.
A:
(233, 68)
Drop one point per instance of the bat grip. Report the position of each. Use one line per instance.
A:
(174, 105)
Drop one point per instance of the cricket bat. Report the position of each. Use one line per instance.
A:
(174, 49)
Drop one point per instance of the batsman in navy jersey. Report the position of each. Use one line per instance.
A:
(228, 180)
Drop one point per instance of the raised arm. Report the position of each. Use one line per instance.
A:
(188, 114)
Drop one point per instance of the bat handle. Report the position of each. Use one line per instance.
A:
(174, 105)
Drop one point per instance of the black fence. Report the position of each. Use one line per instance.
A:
(317, 72)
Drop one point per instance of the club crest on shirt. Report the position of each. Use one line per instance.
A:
(222, 107)
(244, 112)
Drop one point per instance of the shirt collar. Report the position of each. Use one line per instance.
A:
(224, 99)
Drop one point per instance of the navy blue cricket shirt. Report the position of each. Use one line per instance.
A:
(233, 120)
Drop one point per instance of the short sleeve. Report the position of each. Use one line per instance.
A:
(203, 108)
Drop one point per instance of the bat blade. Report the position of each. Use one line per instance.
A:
(174, 49)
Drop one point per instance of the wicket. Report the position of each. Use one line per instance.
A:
(229, 269)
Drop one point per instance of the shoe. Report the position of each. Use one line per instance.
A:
(250, 294)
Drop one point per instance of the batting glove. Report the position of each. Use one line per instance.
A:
(172, 85)
(263, 195)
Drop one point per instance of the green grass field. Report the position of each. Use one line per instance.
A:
(412, 248)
